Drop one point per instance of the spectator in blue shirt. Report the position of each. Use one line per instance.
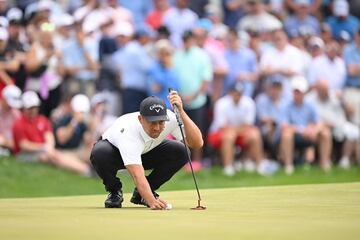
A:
(270, 107)
(162, 76)
(233, 11)
(342, 20)
(301, 129)
(139, 8)
(352, 84)
(243, 64)
(302, 20)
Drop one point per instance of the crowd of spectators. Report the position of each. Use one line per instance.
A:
(270, 83)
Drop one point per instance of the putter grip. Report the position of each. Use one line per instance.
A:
(176, 110)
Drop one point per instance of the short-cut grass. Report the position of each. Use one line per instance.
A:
(314, 211)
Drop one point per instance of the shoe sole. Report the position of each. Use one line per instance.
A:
(138, 203)
(109, 205)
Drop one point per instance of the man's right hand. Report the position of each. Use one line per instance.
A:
(157, 204)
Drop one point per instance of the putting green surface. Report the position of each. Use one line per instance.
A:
(324, 211)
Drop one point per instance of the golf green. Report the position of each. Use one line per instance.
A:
(323, 211)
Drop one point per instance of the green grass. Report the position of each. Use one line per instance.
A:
(322, 211)
(20, 179)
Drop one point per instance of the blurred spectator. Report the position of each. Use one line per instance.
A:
(88, 6)
(328, 67)
(155, 18)
(233, 125)
(325, 33)
(302, 20)
(119, 14)
(316, 47)
(71, 130)
(289, 60)
(9, 61)
(302, 129)
(3, 7)
(352, 84)
(100, 118)
(257, 19)
(162, 74)
(199, 7)
(45, 69)
(270, 108)
(342, 20)
(22, 4)
(9, 112)
(132, 64)
(233, 11)
(333, 115)
(178, 20)
(139, 8)
(354, 6)
(34, 140)
(216, 51)
(219, 30)
(80, 58)
(243, 64)
(193, 67)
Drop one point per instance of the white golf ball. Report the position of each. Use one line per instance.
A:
(168, 206)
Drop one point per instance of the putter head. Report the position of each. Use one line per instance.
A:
(198, 207)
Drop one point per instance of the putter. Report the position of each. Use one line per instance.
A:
(181, 125)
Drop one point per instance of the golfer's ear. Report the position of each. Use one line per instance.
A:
(140, 118)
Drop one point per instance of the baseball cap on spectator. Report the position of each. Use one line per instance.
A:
(30, 99)
(144, 31)
(12, 96)
(205, 24)
(212, 10)
(163, 44)
(316, 42)
(187, 34)
(64, 20)
(299, 83)
(80, 103)
(275, 80)
(44, 5)
(237, 87)
(4, 22)
(4, 35)
(14, 15)
(124, 29)
(97, 99)
(341, 8)
(153, 109)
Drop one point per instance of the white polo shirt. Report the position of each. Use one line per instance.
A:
(228, 113)
(128, 135)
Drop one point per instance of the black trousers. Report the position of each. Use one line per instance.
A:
(165, 160)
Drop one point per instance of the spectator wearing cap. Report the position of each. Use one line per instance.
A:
(162, 75)
(352, 85)
(233, 11)
(341, 20)
(329, 67)
(132, 64)
(258, 19)
(3, 7)
(289, 60)
(233, 125)
(72, 133)
(325, 32)
(178, 20)
(46, 69)
(219, 29)
(9, 112)
(302, 19)
(315, 47)
(332, 113)
(34, 140)
(193, 66)
(270, 109)
(243, 64)
(301, 129)
(155, 17)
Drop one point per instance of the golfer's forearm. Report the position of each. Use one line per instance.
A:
(140, 181)
(193, 134)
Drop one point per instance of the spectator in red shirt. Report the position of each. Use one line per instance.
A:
(34, 139)
(155, 18)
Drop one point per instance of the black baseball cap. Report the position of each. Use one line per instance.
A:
(153, 109)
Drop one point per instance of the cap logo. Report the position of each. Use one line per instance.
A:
(156, 107)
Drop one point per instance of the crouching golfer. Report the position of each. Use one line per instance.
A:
(138, 141)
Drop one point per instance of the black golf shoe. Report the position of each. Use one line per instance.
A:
(137, 199)
(114, 200)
